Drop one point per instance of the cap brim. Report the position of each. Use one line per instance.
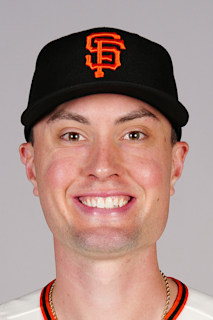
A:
(172, 109)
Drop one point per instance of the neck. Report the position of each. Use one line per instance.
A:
(123, 288)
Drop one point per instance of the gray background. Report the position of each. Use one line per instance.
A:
(184, 27)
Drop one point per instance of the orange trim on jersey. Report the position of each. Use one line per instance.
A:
(177, 305)
(173, 313)
(44, 303)
(41, 305)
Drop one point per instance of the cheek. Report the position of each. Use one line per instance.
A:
(151, 164)
(59, 172)
(148, 171)
(56, 171)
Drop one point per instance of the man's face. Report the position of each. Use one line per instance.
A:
(104, 169)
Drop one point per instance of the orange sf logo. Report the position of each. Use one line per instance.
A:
(102, 39)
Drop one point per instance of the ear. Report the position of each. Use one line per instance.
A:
(26, 152)
(179, 152)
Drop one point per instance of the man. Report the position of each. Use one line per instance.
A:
(103, 152)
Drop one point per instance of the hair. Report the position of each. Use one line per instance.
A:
(174, 138)
(31, 137)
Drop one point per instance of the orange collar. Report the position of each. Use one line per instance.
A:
(171, 315)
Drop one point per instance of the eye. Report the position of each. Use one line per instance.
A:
(134, 135)
(72, 136)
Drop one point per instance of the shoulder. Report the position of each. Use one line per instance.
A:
(199, 306)
(25, 308)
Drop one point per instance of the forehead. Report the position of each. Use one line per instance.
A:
(105, 105)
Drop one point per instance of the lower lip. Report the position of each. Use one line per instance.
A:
(103, 211)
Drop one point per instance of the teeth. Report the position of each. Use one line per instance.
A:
(116, 201)
(121, 203)
(107, 203)
(93, 203)
(89, 203)
(100, 203)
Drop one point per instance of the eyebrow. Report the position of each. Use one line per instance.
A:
(63, 115)
(137, 114)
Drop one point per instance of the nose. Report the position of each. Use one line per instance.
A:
(104, 161)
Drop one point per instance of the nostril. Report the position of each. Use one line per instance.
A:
(103, 176)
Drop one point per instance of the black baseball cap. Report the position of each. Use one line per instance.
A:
(103, 60)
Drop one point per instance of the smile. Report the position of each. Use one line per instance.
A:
(105, 202)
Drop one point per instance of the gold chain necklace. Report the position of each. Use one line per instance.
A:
(165, 310)
(51, 300)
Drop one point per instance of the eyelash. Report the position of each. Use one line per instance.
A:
(70, 135)
(135, 132)
(136, 136)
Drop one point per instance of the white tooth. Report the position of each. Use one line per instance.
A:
(100, 203)
(125, 202)
(93, 203)
(121, 203)
(89, 203)
(115, 203)
(108, 202)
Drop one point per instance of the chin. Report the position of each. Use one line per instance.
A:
(104, 242)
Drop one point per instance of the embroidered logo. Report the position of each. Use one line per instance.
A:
(108, 53)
